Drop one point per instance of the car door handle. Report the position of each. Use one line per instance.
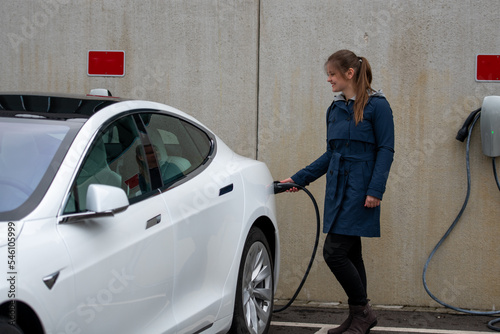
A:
(226, 189)
(153, 221)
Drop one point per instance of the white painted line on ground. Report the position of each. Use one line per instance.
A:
(324, 328)
(299, 324)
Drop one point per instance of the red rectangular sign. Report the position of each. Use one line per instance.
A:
(106, 63)
(488, 68)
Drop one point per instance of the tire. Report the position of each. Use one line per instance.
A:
(7, 328)
(255, 289)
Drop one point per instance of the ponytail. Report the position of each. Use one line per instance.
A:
(345, 59)
(363, 88)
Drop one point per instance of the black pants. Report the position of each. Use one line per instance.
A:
(343, 255)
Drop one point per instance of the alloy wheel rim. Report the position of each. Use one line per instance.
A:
(257, 288)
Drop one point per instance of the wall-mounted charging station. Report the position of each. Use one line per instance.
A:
(490, 139)
(490, 126)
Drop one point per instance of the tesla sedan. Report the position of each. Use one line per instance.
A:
(126, 216)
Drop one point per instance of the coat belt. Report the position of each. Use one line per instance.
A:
(358, 157)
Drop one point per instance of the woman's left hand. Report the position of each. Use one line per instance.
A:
(371, 202)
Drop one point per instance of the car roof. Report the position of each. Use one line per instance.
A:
(53, 106)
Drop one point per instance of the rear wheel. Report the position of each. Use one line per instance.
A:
(255, 289)
(7, 328)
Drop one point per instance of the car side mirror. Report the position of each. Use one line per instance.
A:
(103, 198)
(102, 201)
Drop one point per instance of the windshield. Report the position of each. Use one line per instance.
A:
(31, 151)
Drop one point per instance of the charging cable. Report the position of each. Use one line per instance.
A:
(282, 187)
(495, 172)
(472, 118)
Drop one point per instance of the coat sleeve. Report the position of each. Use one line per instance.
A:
(314, 170)
(384, 137)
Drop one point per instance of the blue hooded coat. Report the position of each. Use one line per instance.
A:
(357, 163)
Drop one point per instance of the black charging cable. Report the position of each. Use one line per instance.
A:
(495, 172)
(282, 187)
(470, 122)
(464, 130)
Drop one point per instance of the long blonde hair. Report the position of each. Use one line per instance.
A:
(343, 60)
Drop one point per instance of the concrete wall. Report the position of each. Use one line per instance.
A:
(198, 56)
(252, 71)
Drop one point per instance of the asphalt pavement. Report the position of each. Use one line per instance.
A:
(318, 318)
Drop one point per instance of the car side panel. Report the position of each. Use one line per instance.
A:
(39, 253)
(207, 213)
(123, 270)
(259, 203)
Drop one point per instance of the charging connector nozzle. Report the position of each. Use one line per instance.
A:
(464, 130)
(282, 187)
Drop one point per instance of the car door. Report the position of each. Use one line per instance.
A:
(123, 268)
(205, 214)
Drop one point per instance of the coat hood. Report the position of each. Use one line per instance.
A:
(341, 96)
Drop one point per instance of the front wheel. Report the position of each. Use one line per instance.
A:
(255, 289)
(7, 328)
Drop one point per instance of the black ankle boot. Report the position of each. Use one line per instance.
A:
(344, 326)
(363, 319)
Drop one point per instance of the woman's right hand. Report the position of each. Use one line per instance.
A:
(289, 180)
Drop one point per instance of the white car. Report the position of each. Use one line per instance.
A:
(123, 216)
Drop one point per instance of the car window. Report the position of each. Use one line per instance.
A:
(117, 158)
(180, 146)
(27, 151)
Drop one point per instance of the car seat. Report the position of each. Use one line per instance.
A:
(96, 171)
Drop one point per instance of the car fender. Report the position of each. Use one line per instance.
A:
(40, 255)
(259, 206)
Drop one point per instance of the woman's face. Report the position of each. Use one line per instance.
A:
(339, 82)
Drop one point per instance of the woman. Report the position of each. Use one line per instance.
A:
(359, 154)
